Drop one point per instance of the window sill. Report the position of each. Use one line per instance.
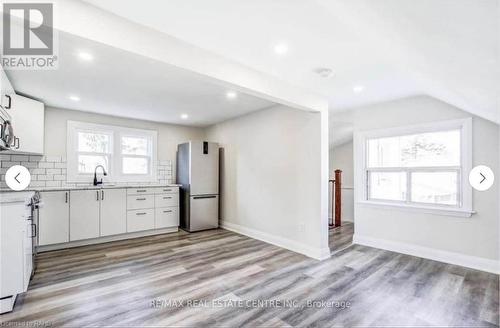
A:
(422, 209)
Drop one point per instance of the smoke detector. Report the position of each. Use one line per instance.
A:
(324, 72)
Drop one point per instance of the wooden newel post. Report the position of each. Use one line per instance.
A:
(338, 197)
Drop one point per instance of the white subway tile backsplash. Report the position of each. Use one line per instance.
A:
(53, 183)
(53, 159)
(53, 171)
(30, 165)
(50, 171)
(9, 164)
(37, 171)
(37, 184)
(19, 158)
(45, 165)
(36, 158)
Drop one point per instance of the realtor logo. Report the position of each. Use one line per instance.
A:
(28, 36)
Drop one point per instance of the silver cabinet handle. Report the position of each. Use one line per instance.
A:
(97, 195)
(167, 197)
(102, 194)
(142, 213)
(169, 211)
(167, 189)
(140, 190)
(66, 201)
(9, 106)
(203, 197)
(33, 230)
(140, 199)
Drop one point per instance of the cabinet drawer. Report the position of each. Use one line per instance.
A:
(140, 191)
(139, 220)
(167, 200)
(167, 190)
(167, 217)
(140, 202)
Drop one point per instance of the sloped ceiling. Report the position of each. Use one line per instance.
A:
(448, 49)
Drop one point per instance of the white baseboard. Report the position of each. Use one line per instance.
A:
(468, 261)
(313, 252)
(106, 239)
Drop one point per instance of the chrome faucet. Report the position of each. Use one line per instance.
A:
(95, 174)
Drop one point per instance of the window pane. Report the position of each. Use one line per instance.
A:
(424, 149)
(135, 146)
(388, 185)
(88, 163)
(93, 142)
(435, 187)
(135, 165)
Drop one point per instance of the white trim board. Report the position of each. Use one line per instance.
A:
(106, 239)
(468, 261)
(313, 252)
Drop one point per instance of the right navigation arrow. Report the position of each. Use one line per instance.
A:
(484, 178)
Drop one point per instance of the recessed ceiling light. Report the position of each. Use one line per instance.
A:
(324, 72)
(184, 116)
(231, 95)
(358, 88)
(85, 56)
(281, 48)
(74, 98)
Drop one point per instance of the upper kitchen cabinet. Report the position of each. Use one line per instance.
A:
(27, 116)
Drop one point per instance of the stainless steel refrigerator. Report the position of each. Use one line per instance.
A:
(198, 173)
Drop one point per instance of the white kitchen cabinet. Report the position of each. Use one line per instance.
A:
(113, 212)
(15, 249)
(12, 257)
(5, 89)
(84, 214)
(167, 217)
(27, 116)
(140, 220)
(140, 202)
(166, 200)
(53, 218)
(28, 251)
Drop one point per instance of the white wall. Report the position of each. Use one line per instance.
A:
(169, 135)
(466, 241)
(341, 157)
(271, 178)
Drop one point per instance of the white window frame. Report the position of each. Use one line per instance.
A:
(464, 207)
(115, 167)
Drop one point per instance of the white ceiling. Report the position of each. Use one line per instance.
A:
(394, 48)
(123, 84)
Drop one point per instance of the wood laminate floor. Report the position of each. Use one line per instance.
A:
(150, 282)
(340, 237)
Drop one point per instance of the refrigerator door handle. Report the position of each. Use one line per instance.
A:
(203, 197)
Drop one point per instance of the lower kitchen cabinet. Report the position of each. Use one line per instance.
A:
(74, 215)
(166, 217)
(113, 211)
(84, 214)
(139, 220)
(53, 219)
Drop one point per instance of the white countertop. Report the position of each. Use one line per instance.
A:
(90, 187)
(16, 196)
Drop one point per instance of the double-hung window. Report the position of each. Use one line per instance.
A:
(93, 148)
(127, 155)
(423, 166)
(136, 155)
